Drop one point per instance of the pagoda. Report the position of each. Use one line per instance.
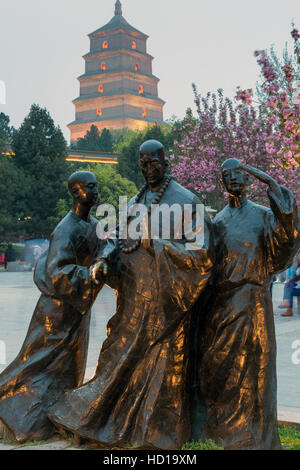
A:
(118, 88)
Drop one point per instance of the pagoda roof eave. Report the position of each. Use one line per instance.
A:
(122, 49)
(138, 75)
(127, 92)
(135, 118)
(116, 23)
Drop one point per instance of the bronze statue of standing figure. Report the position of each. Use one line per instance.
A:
(53, 356)
(139, 395)
(237, 369)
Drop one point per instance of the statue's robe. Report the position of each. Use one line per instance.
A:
(237, 371)
(139, 395)
(53, 356)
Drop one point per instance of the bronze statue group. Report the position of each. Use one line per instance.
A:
(191, 349)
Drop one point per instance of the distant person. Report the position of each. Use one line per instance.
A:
(10, 255)
(292, 276)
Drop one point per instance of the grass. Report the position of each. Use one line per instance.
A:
(209, 444)
(289, 437)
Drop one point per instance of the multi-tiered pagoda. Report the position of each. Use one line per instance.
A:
(118, 88)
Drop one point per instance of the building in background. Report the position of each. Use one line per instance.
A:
(118, 88)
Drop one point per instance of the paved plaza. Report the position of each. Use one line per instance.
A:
(19, 295)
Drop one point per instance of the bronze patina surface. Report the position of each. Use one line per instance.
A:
(140, 392)
(237, 369)
(53, 356)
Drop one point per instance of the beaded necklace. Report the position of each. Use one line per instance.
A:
(137, 243)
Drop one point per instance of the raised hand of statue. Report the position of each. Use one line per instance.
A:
(263, 177)
(233, 164)
(98, 270)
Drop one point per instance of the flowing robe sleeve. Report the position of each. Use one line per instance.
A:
(282, 230)
(184, 272)
(59, 274)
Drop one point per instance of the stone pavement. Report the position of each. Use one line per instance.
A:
(18, 297)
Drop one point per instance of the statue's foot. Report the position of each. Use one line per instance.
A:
(5, 432)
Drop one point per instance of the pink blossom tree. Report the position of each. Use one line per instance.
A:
(225, 128)
(279, 95)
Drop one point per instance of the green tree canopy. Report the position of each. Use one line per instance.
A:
(95, 141)
(40, 151)
(5, 130)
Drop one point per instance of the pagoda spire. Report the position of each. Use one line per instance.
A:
(118, 8)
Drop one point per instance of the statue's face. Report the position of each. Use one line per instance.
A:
(153, 167)
(87, 190)
(234, 179)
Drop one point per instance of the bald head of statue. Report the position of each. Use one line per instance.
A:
(152, 162)
(83, 187)
(234, 177)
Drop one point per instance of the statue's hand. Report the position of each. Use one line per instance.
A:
(98, 270)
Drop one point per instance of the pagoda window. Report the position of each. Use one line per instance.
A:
(103, 66)
(137, 67)
(133, 45)
(99, 111)
(105, 45)
(100, 88)
(141, 89)
(144, 112)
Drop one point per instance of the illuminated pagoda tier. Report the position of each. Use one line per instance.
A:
(118, 88)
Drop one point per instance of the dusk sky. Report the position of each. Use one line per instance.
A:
(210, 43)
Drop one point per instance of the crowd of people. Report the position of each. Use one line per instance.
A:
(28, 256)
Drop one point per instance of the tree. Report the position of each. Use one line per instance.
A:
(279, 96)
(40, 151)
(106, 141)
(261, 136)
(11, 183)
(94, 141)
(5, 131)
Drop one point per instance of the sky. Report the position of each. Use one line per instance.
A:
(209, 43)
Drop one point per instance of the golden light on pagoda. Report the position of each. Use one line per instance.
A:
(133, 45)
(103, 66)
(144, 112)
(141, 89)
(105, 45)
(100, 88)
(137, 66)
(99, 111)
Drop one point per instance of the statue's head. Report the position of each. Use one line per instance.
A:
(83, 187)
(152, 161)
(234, 178)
